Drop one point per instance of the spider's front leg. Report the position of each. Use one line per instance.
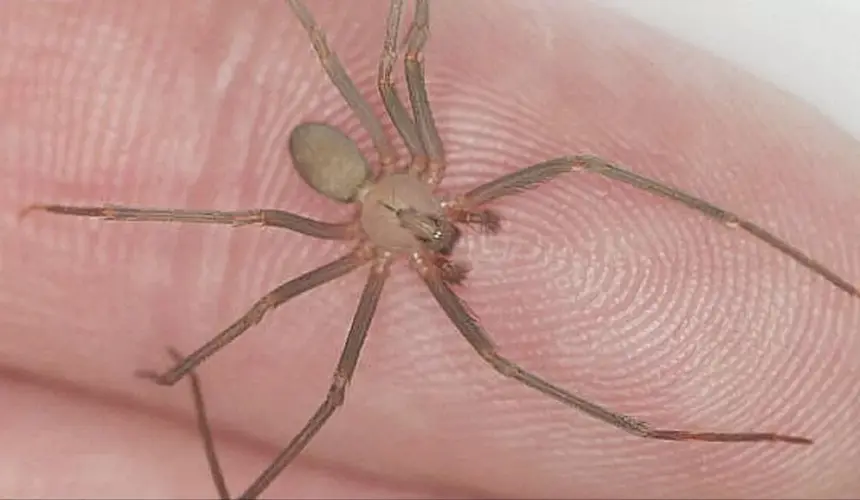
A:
(535, 175)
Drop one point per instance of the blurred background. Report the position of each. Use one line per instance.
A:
(809, 48)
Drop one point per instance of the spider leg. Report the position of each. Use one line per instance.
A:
(485, 220)
(393, 104)
(341, 379)
(267, 303)
(537, 174)
(204, 429)
(339, 77)
(469, 327)
(416, 38)
(273, 218)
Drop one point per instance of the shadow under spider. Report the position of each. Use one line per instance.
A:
(401, 215)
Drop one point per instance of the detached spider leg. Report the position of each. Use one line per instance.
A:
(472, 331)
(537, 174)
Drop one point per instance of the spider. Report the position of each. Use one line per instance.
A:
(402, 215)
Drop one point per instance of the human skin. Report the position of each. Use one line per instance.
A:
(624, 298)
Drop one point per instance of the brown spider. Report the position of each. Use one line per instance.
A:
(401, 215)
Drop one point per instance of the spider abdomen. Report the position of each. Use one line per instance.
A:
(328, 161)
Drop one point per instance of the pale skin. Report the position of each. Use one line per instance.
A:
(726, 327)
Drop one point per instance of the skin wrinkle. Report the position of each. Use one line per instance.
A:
(734, 321)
